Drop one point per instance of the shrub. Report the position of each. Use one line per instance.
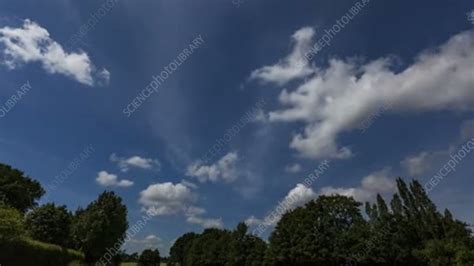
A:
(11, 223)
(31, 252)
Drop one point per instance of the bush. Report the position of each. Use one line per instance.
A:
(11, 223)
(31, 252)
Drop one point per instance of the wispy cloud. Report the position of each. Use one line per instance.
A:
(136, 161)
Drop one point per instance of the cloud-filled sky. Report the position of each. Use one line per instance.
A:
(212, 112)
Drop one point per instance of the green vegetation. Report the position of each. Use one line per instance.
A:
(50, 223)
(18, 190)
(150, 257)
(100, 226)
(31, 252)
(50, 234)
(330, 230)
(11, 223)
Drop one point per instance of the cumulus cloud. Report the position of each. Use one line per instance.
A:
(166, 198)
(292, 66)
(111, 180)
(338, 98)
(32, 43)
(135, 162)
(371, 185)
(225, 169)
(294, 168)
(194, 216)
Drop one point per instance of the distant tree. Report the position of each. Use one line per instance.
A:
(50, 223)
(11, 224)
(18, 190)
(180, 248)
(149, 257)
(325, 231)
(209, 248)
(129, 257)
(99, 226)
(246, 249)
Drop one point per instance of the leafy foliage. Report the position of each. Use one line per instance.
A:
(100, 226)
(149, 257)
(18, 190)
(218, 247)
(50, 223)
(11, 224)
(326, 231)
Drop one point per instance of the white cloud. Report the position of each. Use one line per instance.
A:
(421, 163)
(292, 66)
(135, 161)
(294, 168)
(140, 244)
(150, 241)
(296, 197)
(111, 180)
(252, 220)
(224, 169)
(194, 214)
(371, 185)
(205, 222)
(166, 198)
(338, 98)
(32, 43)
(425, 161)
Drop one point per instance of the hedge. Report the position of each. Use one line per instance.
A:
(31, 252)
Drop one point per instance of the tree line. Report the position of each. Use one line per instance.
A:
(330, 230)
(90, 230)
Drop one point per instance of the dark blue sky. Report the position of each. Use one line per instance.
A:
(212, 90)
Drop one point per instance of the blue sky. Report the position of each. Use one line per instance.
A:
(416, 56)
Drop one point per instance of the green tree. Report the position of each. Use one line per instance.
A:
(50, 223)
(149, 257)
(326, 231)
(11, 223)
(100, 226)
(246, 249)
(209, 248)
(180, 248)
(18, 190)
(413, 232)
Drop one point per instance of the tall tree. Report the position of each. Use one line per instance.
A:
(100, 226)
(180, 248)
(18, 190)
(326, 231)
(245, 249)
(50, 223)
